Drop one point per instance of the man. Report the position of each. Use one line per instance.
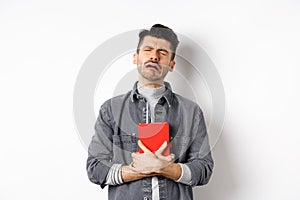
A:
(112, 156)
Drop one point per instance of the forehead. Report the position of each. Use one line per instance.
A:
(157, 43)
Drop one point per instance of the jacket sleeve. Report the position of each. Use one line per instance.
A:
(199, 159)
(100, 149)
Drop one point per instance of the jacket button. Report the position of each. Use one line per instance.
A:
(145, 198)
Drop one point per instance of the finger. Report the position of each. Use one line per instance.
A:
(171, 157)
(142, 146)
(133, 155)
(132, 168)
(132, 164)
(134, 159)
(162, 148)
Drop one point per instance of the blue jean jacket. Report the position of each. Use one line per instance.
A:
(116, 138)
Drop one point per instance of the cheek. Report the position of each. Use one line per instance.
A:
(142, 59)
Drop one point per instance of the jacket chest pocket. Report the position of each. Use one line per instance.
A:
(123, 142)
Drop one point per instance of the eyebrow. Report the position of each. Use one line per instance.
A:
(161, 49)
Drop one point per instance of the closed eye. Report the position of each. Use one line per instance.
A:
(163, 52)
(147, 48)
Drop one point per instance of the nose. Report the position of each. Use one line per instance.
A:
(154, 56)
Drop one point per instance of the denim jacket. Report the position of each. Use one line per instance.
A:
(116, 138)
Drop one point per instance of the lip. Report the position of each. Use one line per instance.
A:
(152, 66)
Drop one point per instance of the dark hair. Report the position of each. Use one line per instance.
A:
(162, 32)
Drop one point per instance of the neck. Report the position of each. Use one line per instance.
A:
(150, 84)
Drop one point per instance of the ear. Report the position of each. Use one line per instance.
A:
(172, 65)
(135, 57)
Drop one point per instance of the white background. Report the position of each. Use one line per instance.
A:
(255, 46)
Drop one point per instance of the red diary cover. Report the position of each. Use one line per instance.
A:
(153, 135)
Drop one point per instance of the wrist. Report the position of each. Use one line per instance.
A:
(172, 171)
(128, 174)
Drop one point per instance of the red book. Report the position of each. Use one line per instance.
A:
(153, 135)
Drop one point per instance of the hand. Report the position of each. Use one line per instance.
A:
(160, 151)
(151, 163)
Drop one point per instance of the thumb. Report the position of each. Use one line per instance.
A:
(162, 148)
(143, 147)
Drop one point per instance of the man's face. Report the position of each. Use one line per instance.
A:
(154, 60)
